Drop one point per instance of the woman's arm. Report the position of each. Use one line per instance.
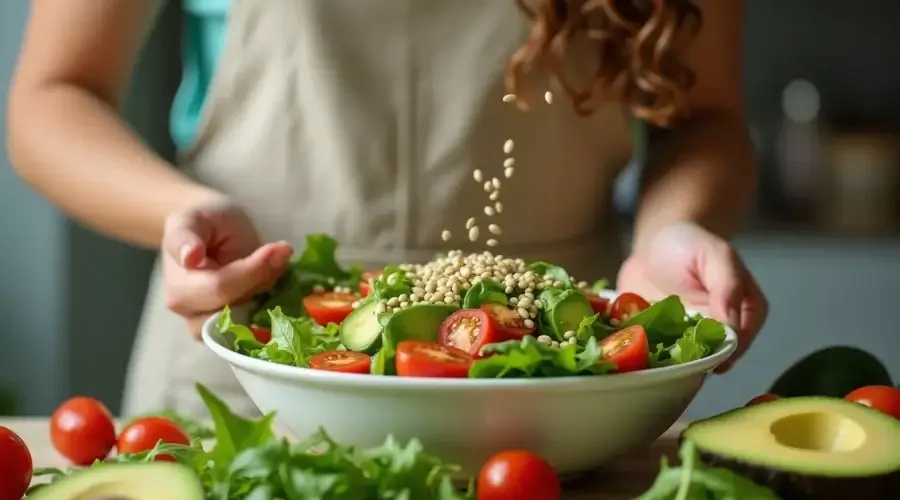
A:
(704, 170)
(65, 136)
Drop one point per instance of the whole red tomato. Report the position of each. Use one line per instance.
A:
(518, 475)
(16, 466)
(144, 433)
(883, 398)
(82, 430)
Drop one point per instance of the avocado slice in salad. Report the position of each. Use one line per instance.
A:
(564, 311)
(361, 331)
(417, 322)
(135, 481)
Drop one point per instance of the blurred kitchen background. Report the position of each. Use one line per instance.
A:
(823, 87)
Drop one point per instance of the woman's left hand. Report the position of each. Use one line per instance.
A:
(706, 272)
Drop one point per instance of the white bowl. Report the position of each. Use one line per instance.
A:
(575, 423)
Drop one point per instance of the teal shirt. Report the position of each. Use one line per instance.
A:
(204, 37)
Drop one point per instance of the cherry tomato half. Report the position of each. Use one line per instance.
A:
(883, 398)
(469, 330)
(16, 465)
(329, 307)
(262, 334)
(82, 430)
(627, 305)
(517, 475)
(365, 283)
(425, 359)
(508, 323)
(599, 304)
(763, 398)
(144, 433)
(627, 348)
(341, 361)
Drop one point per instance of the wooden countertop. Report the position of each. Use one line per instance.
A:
(621, 480)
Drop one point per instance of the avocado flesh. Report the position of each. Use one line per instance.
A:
(806, 448)
(145, 481)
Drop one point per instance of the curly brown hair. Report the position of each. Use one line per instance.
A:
(636, 46)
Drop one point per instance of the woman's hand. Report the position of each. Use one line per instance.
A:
(706, 272)
(213, 257)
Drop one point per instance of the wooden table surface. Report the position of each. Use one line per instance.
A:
(621, 480)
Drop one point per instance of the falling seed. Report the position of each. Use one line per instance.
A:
(498, 207)
(494, 195)
(495, 183)
(548, 96)
(508, 146)
(488, 210)
(495, 229)
(476, 174)
(491, 242)
(473, 233)
(445, 235)
(509, 98)
(509, 162)
(470, 223)
(488, 187)
(508, 172)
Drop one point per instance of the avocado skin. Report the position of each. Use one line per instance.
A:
(834, 372)
(791, 486)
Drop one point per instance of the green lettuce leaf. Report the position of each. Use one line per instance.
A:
(529, 358)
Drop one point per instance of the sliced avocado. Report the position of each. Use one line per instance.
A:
(361, 331)
(834, 371)
(144, 481)
(417, 322)
(806, 448)
(564, 312)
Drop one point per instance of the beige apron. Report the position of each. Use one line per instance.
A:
(365, 120)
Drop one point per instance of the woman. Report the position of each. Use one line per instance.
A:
(366, 120)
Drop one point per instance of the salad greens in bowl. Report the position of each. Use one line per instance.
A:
(471, 354)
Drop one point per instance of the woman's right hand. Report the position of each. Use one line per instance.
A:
(213, 257)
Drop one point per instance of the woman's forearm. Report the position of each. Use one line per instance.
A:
(703, 172)
(73, 148)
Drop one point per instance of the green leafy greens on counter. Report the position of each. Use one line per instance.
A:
(247, 461)
(694, 481)
(674, 336)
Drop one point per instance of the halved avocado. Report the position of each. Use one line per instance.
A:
(806, 448)
(145, 481)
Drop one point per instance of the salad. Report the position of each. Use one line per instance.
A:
(462, 316)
